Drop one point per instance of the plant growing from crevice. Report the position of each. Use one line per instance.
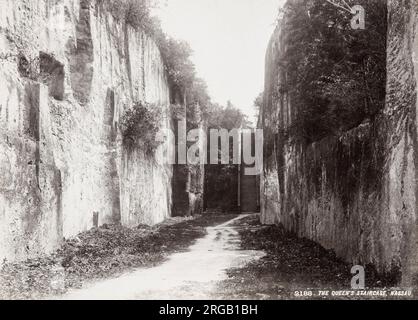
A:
(140, 125)
(136, 13)
(175, 54)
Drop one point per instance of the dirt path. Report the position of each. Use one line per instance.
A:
(102, 253)
(208, 257)
(194, 274)
(292, 268)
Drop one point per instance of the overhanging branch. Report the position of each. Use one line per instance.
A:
(334, 3)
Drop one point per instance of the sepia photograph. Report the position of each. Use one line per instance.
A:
(209, 157)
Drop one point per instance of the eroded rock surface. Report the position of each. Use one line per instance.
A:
(354, 193)
(68, 71)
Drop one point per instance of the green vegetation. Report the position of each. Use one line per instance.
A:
(136, 13)
(140, 125)
(229, 117)
(259, 101)
(335, 75)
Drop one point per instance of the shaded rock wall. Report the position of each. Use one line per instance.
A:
(62, 162)
(355, 193)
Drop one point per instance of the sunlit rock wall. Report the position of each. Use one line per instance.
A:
(401, 114)
(356, 193)
(67, 72)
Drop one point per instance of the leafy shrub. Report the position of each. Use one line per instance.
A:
(335, 76)
(136, 13)
(176, 55)
(140, 125)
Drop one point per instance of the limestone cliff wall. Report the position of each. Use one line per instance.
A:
(355, 193)
(68, 70)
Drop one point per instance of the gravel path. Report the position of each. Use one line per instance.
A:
(194, 274)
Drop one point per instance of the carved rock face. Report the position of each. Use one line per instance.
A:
(354, 193)
(63, 167)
